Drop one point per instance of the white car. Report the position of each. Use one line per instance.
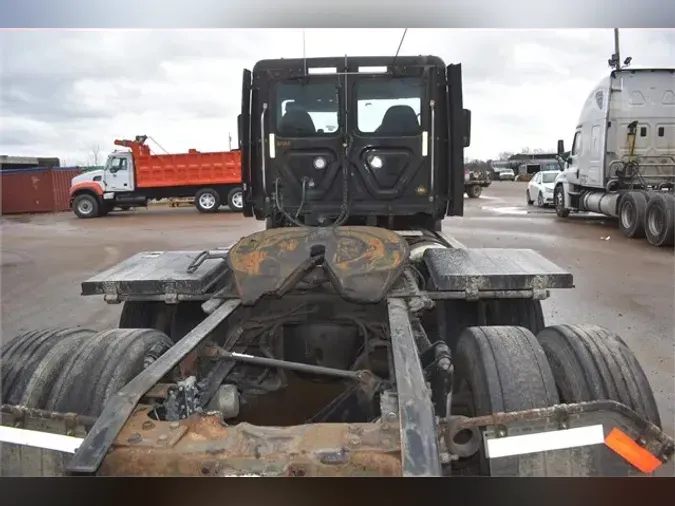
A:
(540, 188)
(506, 175)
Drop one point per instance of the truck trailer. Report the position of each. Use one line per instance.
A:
(622, 160)
(132, 178)
(352, 336)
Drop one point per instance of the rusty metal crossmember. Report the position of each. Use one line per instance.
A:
(419, 443)
(117, 411)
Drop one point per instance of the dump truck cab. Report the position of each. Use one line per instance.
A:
(353, 141)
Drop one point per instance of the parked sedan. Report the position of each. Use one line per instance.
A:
(540, 188)
(506, 175)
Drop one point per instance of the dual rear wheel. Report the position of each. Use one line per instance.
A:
(650, 215)
(507, 369)
(209, 200)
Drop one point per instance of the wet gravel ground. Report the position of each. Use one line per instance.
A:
(622, 284)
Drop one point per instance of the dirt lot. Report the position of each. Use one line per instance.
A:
(624, 285)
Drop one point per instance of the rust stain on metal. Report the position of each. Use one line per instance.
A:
(272, 261)
(188, 366)
(204, 446)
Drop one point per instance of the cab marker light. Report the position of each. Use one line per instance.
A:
(45, 440)
(626, 447)
(544, 441)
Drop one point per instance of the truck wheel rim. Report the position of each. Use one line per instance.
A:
(558, 201)
(627, 215)
(85, 207)
(656, 221)
(237, 200)
(207, 201)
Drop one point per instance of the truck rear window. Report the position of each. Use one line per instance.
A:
(307, 109)
(389, 107)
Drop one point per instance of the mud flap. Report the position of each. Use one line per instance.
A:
(38, 443)
(600, 438)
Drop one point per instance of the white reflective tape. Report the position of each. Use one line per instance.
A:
(425, 143)
(272, 146)
(544, 441)
(46, 440)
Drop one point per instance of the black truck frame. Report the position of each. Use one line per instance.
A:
(351, 337)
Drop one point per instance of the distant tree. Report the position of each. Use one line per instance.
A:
(94, 154)
(505, 155)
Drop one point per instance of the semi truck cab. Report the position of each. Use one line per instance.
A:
(622, 158)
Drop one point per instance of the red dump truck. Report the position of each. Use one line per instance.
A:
(133, 178)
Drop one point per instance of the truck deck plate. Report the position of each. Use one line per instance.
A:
(153, 272)
(487, 269)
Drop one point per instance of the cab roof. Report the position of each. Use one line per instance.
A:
(338, 62)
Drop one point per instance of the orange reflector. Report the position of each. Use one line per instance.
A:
(640, 457)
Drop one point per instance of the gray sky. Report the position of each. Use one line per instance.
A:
(62, 92)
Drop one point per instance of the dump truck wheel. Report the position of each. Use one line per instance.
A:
(235, 199)
(504, 369)
(659, 220)
(591, 363)
(86, 206)
(207, 200)
(31, 360)
(518, 312)
(632, 209)
(118, 354)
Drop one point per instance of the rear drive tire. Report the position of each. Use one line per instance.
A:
(235, 200)
(207, 200)
(174, 320)
(591, 363)
(31, 361)
(147, 315)
(474, 191)
(461, 314)
(86, 206)
(659, 220)
(70, 370)
(118, 355)
(501, 370)
(559, 202)
(516, 312)
(632, 210)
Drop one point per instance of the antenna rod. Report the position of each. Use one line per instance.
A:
(304, 56)
(400, 44)
(617, 49)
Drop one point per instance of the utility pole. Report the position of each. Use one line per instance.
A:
(615, 60)
(229, 140)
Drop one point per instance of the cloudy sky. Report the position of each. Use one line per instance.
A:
(64, 92)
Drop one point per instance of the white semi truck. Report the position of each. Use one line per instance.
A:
(622, 160)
